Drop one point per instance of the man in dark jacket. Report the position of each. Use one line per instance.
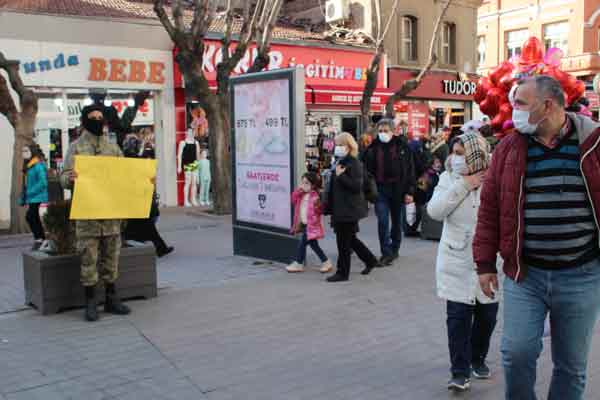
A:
(390, 161)
(540, 205)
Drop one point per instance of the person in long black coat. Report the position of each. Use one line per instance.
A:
(144, 229)
(347, 205)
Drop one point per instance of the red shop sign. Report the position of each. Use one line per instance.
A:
(322, 66)
(340, 96)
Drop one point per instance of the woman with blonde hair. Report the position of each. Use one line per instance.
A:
(347, 205)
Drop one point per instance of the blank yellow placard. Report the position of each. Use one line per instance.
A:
(112, 187)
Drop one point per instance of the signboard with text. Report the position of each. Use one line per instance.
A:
(321, 65)
(266, 159)
(263, 160)
(52, 64)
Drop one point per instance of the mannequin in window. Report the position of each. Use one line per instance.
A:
(188, 154)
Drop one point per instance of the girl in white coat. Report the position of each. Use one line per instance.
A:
(471, 316)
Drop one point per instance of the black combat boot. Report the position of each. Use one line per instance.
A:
(113, 304)
(91, 305)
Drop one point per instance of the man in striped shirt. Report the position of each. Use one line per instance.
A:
(539, 207)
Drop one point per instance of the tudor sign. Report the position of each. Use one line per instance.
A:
(465, 88)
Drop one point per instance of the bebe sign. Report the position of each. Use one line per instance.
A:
(119, 70)
(465, 88)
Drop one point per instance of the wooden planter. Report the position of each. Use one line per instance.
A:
(52, 283)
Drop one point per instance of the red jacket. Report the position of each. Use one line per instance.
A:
(500, 222)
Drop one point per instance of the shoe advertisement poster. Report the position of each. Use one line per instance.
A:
(263, 156)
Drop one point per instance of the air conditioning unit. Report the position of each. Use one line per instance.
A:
(336, 10)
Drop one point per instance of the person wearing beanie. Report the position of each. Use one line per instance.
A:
(98, 241)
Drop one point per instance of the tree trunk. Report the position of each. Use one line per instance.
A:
(217, 113)
(18, 224)
(405, 89)
(370, 85)
(220, 140)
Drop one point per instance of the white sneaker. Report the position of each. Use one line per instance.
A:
(326, 267)
(294, 267)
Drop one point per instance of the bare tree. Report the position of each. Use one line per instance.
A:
(411, 84)
(22, 119)
(257, 22)
(375, 65)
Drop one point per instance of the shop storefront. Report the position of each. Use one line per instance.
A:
(334, 78)
(443, 99)
(63, 75)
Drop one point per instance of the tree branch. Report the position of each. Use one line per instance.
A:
(7, 104)
(387, 25)
(159, 10)
(247, 32)
(27, 98)
(411, 84)
(263, 37)
(177, 11)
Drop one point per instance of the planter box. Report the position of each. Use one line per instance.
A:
(52, 283)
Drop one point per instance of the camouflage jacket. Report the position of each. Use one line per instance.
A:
(91, 145)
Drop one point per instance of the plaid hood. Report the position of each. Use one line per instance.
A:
(477, 152)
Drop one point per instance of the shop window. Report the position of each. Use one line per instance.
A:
(409, 38)
(481, 49)
(449, 43)
(514, 42)
(557, 35)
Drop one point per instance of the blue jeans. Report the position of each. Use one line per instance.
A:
(314, 244)
(389, 240)
(572, 297)
(470, 327)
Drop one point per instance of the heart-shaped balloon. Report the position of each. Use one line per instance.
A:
(505, 68)
(532, 52)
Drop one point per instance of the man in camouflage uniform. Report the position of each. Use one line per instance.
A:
(98, 241)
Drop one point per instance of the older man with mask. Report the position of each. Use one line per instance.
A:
(98, 241)
(390, 161)
(540, 206)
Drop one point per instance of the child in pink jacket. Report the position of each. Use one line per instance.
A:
(307, 221)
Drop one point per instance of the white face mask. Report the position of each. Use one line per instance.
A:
(384, 137)
(26, 154)
(521, 120)
(459, 164)
(340, 151)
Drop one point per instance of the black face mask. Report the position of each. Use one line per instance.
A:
(94, 126)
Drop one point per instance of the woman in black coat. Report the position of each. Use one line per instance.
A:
(144, 229)
(347, 205)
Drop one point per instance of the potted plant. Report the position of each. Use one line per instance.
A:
(52, 277)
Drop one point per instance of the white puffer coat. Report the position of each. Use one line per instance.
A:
(453, 203)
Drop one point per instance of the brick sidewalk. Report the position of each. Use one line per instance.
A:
(290, 337)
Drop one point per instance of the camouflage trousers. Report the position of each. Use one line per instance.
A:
(99, 255)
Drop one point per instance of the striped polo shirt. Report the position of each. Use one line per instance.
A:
(560, 229)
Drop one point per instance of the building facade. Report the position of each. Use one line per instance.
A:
(571, 25)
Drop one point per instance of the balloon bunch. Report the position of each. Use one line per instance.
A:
(492, 93)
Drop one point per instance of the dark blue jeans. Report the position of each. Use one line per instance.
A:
(572, 297)
(314, 244)
(389, 240)
(470, 328)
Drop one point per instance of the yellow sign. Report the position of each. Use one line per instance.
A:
(112, 187)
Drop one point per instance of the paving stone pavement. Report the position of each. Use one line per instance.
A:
(267, 335)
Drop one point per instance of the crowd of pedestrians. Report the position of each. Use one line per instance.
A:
(534, 201)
